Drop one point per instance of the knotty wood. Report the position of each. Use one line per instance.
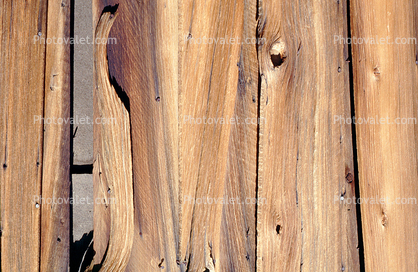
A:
(304, 157)
(115, 158)
(385, 85)
(55, 218)
(22, 66)
(217, 161)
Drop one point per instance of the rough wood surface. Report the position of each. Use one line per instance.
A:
(386, 83)
(55, 217)
(115, 158)
(304, 156)
(22, 66)
(34, 150)
(219, 81)
(143, 65)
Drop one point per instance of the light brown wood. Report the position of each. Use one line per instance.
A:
(385, 84)
(238, 230)
(143, 68)
(114, 160)
(22, 66)
(304, 157)
(219, 81)
(55, 217)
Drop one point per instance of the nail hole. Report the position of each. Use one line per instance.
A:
(278, 54)
(58, 239)
(278, 228)
(349, 177)
(160, 265)
(384, 219)
(339, 69)
(157, 99)
(4, 165)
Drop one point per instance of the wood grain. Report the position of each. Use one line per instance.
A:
(55, 217)
(238, 230)
(218, 161)
(385, 85)
(304, 157)
(115, 158)
(144, 67)
(22, 67)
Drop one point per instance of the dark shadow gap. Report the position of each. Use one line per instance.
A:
(82, 169)
(354, 144)
(72, 8)
(258, 34)
(82, 253)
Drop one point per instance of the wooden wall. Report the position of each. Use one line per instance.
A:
(288, 164)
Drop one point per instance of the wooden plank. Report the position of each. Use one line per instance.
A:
(22, 66)
(304, 156)
(238, 231)
(219, 81)
(114, 160)
(385, 81)
(55, 216)
(143, 66)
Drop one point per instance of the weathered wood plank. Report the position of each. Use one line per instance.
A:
(115, 159)
(143, 66)
(238, 251)
(386, 83)
(219, 81)
(22, 66)
(304, 156)
(55, 216)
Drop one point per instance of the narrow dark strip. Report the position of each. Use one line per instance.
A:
(43, 4)
(82, 169)
(354, 142)
(258, 35)
(72, 3)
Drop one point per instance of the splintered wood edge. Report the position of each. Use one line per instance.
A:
(116, 157)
